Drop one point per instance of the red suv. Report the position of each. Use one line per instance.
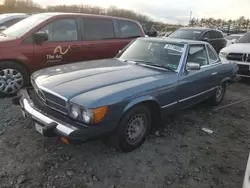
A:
(50, 39)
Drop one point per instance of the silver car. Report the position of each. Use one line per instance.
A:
(7, 20)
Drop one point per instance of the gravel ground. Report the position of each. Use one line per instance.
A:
(180, 155)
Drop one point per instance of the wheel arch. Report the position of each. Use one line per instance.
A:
(152, 104)
(226, 80)
(17, 62)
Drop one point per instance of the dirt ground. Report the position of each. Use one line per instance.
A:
(181, 155)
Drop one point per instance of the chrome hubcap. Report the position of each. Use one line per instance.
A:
(219, 92)
(136, 128)
(11, 81)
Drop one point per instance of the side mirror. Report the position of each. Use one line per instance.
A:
(40, 37)
(233, 41)
(193, 66)
(3, 28)
(205, 39)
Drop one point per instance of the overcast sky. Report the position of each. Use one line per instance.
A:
(171, 11)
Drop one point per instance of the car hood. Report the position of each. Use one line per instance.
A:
(105, 76)
(237, 48)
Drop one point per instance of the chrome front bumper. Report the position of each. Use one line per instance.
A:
(49, 123)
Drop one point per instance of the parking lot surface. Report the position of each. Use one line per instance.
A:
(180, 155)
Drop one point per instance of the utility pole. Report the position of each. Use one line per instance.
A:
(190, 17)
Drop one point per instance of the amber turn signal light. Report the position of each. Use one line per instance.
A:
(64, 140)
(99, 113)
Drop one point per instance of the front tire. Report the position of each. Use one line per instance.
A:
(132, 129)
(218, 97)
(12, 78)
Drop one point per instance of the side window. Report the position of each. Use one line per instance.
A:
(97, 29)
(212, 56)
(197, 54)
(207, 35)
(128, 29)
(217, 34)
(220, 34)
(62, 30)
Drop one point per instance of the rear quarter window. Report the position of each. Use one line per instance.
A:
(127, 29)
(217, 34)
(97, 29)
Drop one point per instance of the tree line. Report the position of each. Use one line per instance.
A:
(28, 6)
(241, 24)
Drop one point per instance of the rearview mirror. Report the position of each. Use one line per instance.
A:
(40, 37)
(193, 66)
(2, 28)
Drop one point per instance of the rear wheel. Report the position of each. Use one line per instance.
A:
(132, 129)
(12, 78)
(218, 97)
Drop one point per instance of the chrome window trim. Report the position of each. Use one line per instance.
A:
(211, 48)
(198, 94)
(182, 60)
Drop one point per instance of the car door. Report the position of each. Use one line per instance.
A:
(196, 85)
(64, 43)
(98, 38)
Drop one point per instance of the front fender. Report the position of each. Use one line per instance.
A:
(138, 100)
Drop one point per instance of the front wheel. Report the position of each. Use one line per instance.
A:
(132, 129)
(12, 78)
(218, 96)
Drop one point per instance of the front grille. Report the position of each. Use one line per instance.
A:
(244, 70)
(52, 101)
(239, 57)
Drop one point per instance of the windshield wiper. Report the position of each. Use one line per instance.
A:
(153, 64)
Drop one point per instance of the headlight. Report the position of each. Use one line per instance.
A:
(223, 54)
(86, 115)
(74, 111)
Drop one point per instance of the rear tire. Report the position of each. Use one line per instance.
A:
(12, 78)
(132, 129)
(218, 96)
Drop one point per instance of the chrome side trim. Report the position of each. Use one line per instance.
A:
(210, 65)
(185, 99)
(168, 105)
(239, 62)
(44, 119)
(241, 75)
(52, 92)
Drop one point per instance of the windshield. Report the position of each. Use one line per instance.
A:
(4, 16)
(22, 27)
(231, 37)
(245, 38)
(154, 52)
(186, 34)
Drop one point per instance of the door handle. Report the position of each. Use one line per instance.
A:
(214, 73)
